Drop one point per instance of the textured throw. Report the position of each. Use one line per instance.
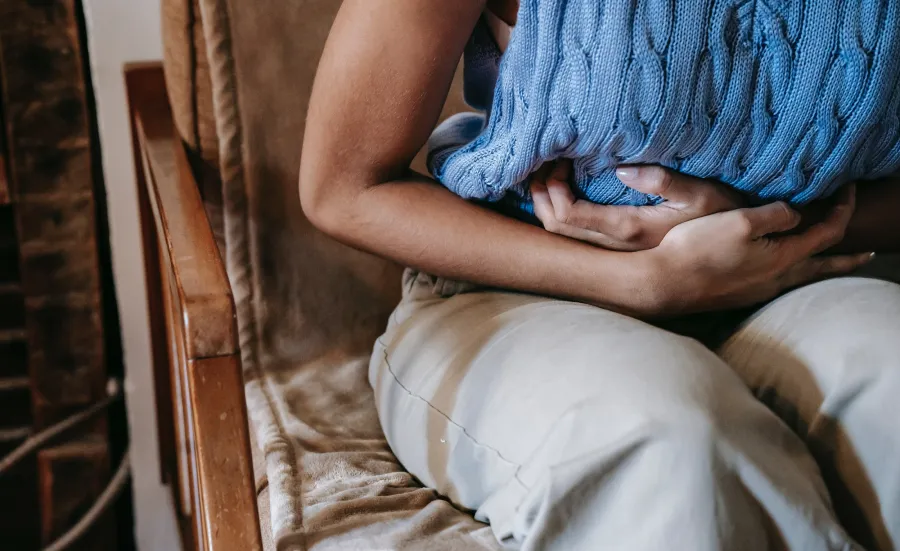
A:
(782, 99)
(308, 308)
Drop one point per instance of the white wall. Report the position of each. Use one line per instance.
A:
(120, 31)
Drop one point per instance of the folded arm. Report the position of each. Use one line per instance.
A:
(382, 82)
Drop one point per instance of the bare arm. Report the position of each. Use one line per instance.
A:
(381, 84)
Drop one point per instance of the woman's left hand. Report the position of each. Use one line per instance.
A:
(626, 228)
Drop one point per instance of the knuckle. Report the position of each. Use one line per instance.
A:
(565, 214)
(707, 201)
(801, 273)
(664, 181)
(743, 225)
(835, 235)
(835, 265)
(630, 231)
(840, 233)
(552, 225)
(657, 180)
(784, 211)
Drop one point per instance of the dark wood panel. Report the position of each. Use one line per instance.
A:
(87, 463)
(48, 141)
(65, 361)
(16, 400)
(12, 307)
(20, 523)
(9, 256)
(49, 169)
(4, 183)
(48, 130)
(13, 358)
(62, 218)
(52, 267)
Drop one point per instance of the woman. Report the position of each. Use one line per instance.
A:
(551, 409)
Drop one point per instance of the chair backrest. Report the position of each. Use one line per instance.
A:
(239, 75)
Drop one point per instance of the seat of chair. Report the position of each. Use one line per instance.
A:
(262, 493)
(355, 494)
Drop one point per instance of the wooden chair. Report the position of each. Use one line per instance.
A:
(202, 416)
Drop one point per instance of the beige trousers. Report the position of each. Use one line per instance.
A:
(568, 427)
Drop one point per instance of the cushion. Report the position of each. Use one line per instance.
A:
(190, 94)
(187, 78)
(782, 100)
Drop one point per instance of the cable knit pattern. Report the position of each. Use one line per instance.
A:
(782, 99)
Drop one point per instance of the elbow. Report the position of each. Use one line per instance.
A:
(327, 199)
(317, 203)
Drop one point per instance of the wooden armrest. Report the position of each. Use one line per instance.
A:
(202, 414)
(189, 246)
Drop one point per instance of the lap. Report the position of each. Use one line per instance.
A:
(496, 372)
(483, 357)
(471, 387)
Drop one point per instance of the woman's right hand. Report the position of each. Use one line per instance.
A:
(746, 256)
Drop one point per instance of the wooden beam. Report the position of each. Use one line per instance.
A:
(5, 195)
(52, 181)
(87, 463)
(49, 146)
(227, 493)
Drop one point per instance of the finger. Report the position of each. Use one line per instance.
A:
(543, 208)
(554, 206)
(625, 223)
(561, 196)
(829, 232)
(769, 219)
(593, 238)
(620, 221)
(634, 225)
(540, 175)
(705, 196)
(815, 269)
(562, 171)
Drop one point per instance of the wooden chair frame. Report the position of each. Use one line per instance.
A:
(201, 411)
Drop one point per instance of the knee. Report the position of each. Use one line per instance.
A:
(838, 311)
(625, 461)
(833, 329)
(684, 425)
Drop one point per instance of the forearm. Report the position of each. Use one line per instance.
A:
(876, 224)
(418, 223)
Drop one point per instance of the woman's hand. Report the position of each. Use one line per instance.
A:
(745, 256)
(624, 228)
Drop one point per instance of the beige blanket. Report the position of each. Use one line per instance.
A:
(308, 308)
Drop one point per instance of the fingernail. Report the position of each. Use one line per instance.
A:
(627, 173)
(871, 257)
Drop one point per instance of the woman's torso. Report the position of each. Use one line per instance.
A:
(864, 54)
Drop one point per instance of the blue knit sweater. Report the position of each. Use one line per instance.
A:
(782, 99)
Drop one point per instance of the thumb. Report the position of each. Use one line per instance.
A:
(776, 217)
(668, 184)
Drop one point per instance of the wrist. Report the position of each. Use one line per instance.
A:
(639, 286)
